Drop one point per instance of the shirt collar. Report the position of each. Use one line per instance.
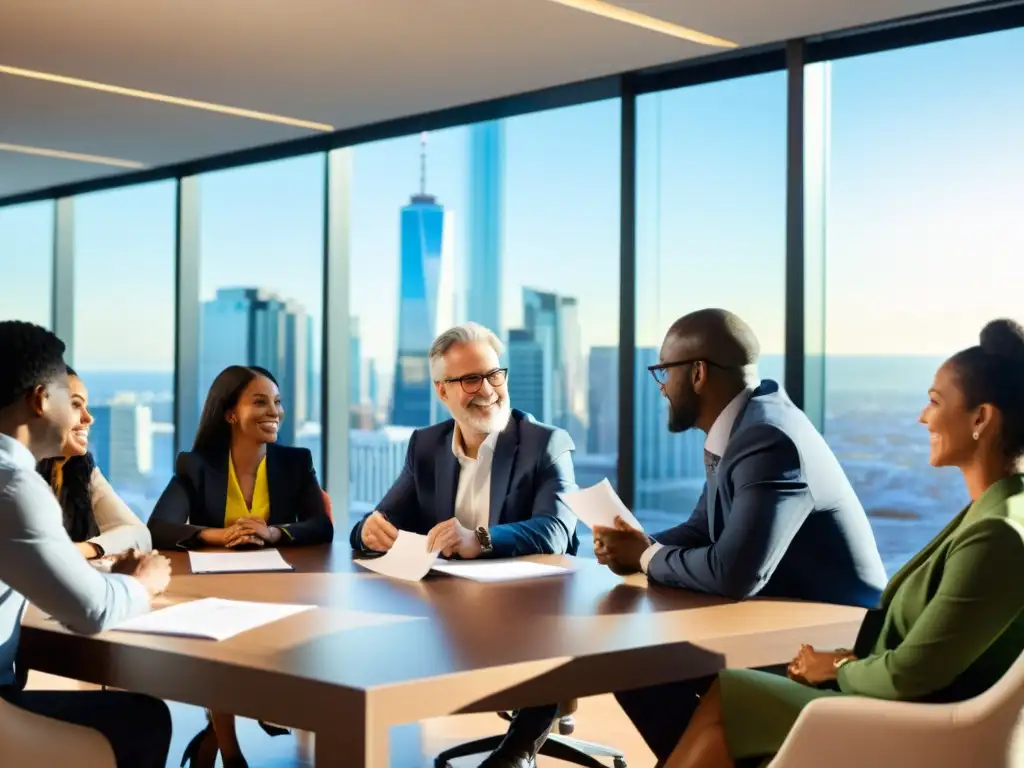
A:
(721, 430)
(16, 452)
(488, 444)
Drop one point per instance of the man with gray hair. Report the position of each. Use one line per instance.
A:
(484, 483)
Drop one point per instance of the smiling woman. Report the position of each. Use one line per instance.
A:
(237, 488)
(95, 517)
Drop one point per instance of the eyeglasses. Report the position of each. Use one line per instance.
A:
(472, 382)
(660, 371)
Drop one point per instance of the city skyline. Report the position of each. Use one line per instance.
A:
(922, 241)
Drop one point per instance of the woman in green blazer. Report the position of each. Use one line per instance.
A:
(951, 622)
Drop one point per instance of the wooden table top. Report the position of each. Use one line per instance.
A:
(439, 646)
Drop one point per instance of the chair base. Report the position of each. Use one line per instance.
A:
(574, 751)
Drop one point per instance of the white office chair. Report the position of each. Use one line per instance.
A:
(854, 731)
(28, 740)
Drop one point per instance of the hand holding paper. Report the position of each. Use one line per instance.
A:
(409, 559)
(599, 505)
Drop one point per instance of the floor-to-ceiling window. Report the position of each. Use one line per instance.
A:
(512, 224)
(26, 262)
(711, 230)
(261, 284)
(924, 243)
(124, 334)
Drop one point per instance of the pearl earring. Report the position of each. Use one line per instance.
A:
(976, 434)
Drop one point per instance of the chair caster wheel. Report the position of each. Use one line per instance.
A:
(619, 763)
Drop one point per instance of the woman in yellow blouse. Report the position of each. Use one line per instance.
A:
(237, 488)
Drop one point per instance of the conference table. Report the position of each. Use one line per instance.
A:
(375, 652)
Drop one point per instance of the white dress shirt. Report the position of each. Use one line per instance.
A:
(38, 562)
(473, 497)
(715, 442)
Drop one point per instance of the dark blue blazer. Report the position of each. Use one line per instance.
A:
(196, 498)
(532, 465)
(777, 518)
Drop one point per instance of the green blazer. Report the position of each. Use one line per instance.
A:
(951, 621)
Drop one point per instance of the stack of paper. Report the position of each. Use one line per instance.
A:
(210, 618)
(598, 506)
(237, 562)
(408, 559)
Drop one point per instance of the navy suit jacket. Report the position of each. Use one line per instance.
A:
(778, 518)
(532, 465)
(196, 498)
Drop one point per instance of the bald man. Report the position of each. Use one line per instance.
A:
(777, 515)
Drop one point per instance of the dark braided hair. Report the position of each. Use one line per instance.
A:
(992, 372)
(75, 491)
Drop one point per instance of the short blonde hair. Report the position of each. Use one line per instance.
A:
(464, 333)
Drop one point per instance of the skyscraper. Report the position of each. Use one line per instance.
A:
(426, 301)
(485, 224)
(355, 373)
(251, 326)
(552, 322)
(603, 401)
(121, 441)
(526, 373)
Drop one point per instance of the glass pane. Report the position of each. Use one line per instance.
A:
(513, 224)
(26, 263)
(924, 247)
(124, 334)
(711, 232)
(261, 284)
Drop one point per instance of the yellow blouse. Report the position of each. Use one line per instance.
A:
(236, 508)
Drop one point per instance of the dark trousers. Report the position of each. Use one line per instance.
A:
(138, 727)
(661, 713)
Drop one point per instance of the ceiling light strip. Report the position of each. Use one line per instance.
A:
(165, 99)
(61, 155)
(642, 20)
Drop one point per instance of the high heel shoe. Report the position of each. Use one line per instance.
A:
(201, 752)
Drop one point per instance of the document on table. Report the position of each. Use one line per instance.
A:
(238, 562)
(209, 618)
(408, 559)
(501, 570)
(598, 505)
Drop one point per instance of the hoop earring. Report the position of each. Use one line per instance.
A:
(976, 434)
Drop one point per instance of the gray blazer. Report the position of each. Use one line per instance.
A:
(778, 517)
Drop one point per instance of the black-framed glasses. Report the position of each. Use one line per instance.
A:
(472, 382)
(660, 371)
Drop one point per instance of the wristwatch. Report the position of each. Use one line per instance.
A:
(484, 537)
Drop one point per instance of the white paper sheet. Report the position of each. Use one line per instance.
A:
(598, 505)
(237, 562)
(501, 570)
(408, 559)
(210, 618)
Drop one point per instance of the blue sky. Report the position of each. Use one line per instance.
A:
(924, 235)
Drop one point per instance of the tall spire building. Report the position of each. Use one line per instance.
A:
(485, 224)
(426, 299)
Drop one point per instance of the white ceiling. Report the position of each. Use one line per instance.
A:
(340, 62)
